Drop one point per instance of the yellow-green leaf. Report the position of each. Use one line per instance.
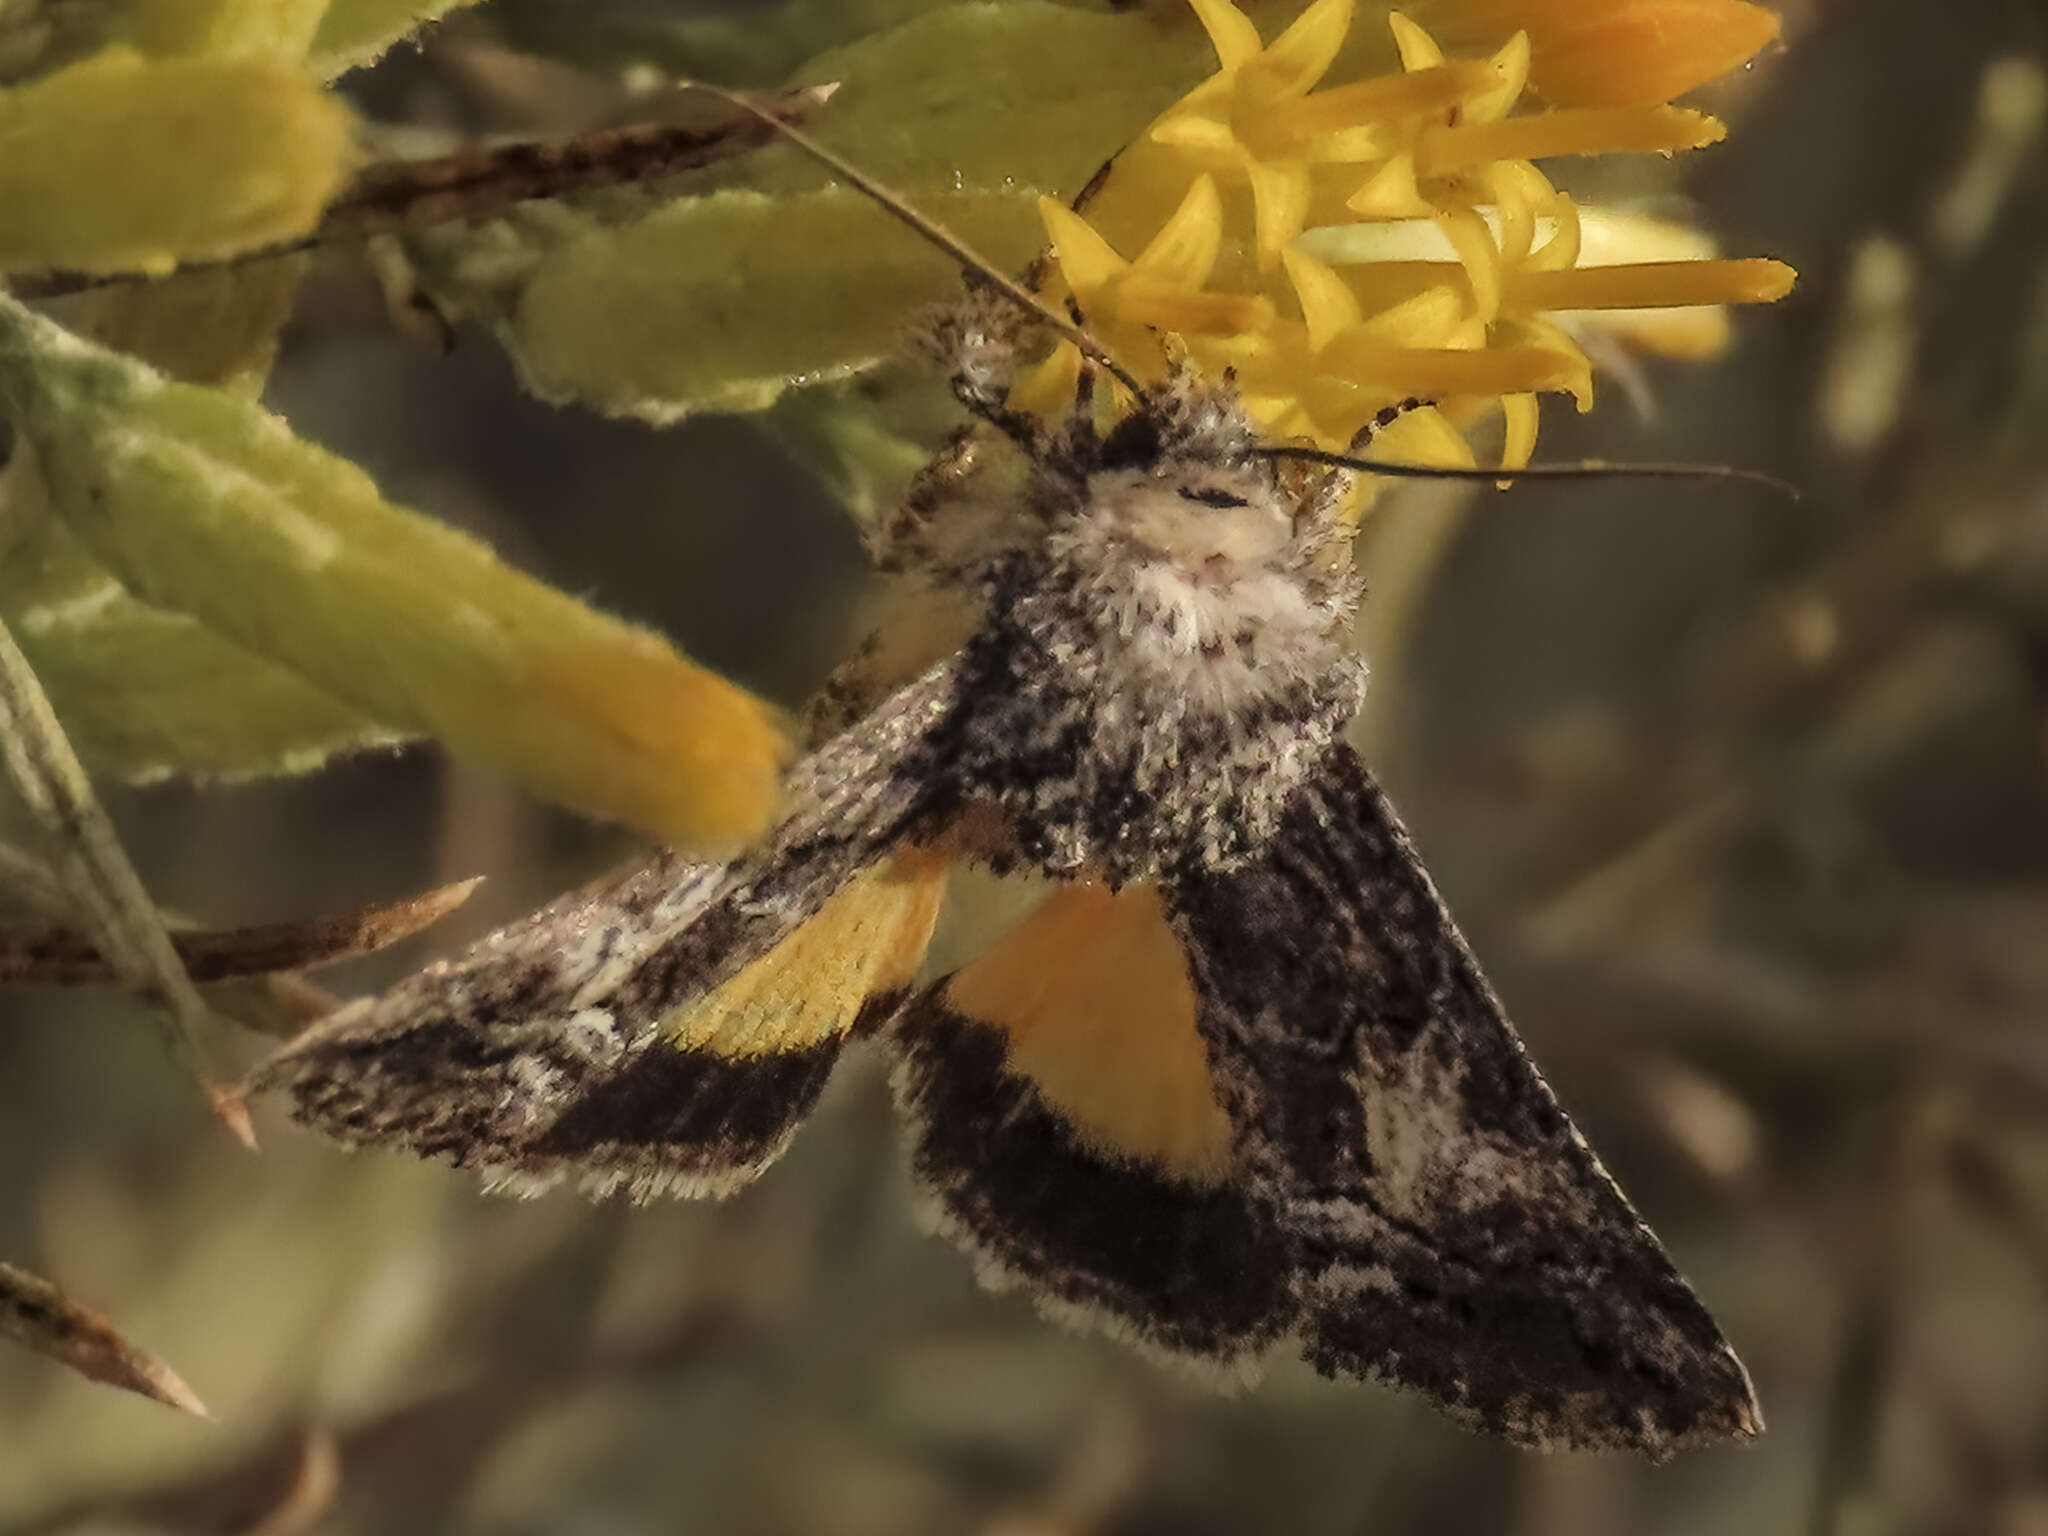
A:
(207, 505)
(770, 276)
(145, 693)
(1024, 94)
(278, 30)
(721, 302)
(355, 32)
(121, 163)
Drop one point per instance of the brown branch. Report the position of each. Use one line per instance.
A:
(35, 1313)
(65, 957)
(397, 195)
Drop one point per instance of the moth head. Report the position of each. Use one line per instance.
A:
(1179, 482)
(1216, 517)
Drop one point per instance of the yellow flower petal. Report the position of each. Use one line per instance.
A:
(1281, 192)
(1383, 99)
(1392, 193)
(1202, 139)
(1518, 444)
(1397, 173)
(1572, 131)
(1564, 247)
(1431, 318)
(1327, 303)
(1621, 53)
(1422, 437)
(1510, 70)
(1366, 143)
(1655, 285)
(1417, 48)
(1184, 250)
(1231, 32)
(1171, 307)
(1442, 372)
(1300, 56)
(1086, 259)
(1473, 242)
(1576, 369)
(1049, 388)
(1517, 187)
(1280, 415)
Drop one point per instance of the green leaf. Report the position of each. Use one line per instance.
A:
(720, 302)
(357, 32)
(865, 459)
(144, 693)
(1023, 95)
(202, 503)
(757, 45)
(121, 163)
(277, 30)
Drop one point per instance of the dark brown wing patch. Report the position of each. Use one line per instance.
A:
(1452, 1231)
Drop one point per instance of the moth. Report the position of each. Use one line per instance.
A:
(1235, 1083)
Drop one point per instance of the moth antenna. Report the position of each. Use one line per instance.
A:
(1587, 469)
(930, 230)
(1384, 418)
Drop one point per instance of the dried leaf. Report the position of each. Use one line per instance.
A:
(203, 503)
(64, 957)
(35, 1313)
(211, 325)
(121, 163)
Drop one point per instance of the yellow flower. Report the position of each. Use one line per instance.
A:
(1129, 303)
(1402, 243)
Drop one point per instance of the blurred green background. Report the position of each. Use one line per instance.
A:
(1743, 802)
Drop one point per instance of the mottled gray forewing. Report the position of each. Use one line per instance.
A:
(537, 1054)
(1450, 1229)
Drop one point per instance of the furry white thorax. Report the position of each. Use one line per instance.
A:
(1205, 596)
(1162, 670)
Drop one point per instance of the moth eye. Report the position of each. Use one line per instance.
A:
(1212, 496)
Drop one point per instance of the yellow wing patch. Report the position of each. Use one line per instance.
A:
(1093, 992)
(868, 939)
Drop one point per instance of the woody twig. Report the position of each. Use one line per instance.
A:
(398, 195)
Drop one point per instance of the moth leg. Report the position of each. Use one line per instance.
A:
(1065, 1128)
(903, 541)
(978, 343)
